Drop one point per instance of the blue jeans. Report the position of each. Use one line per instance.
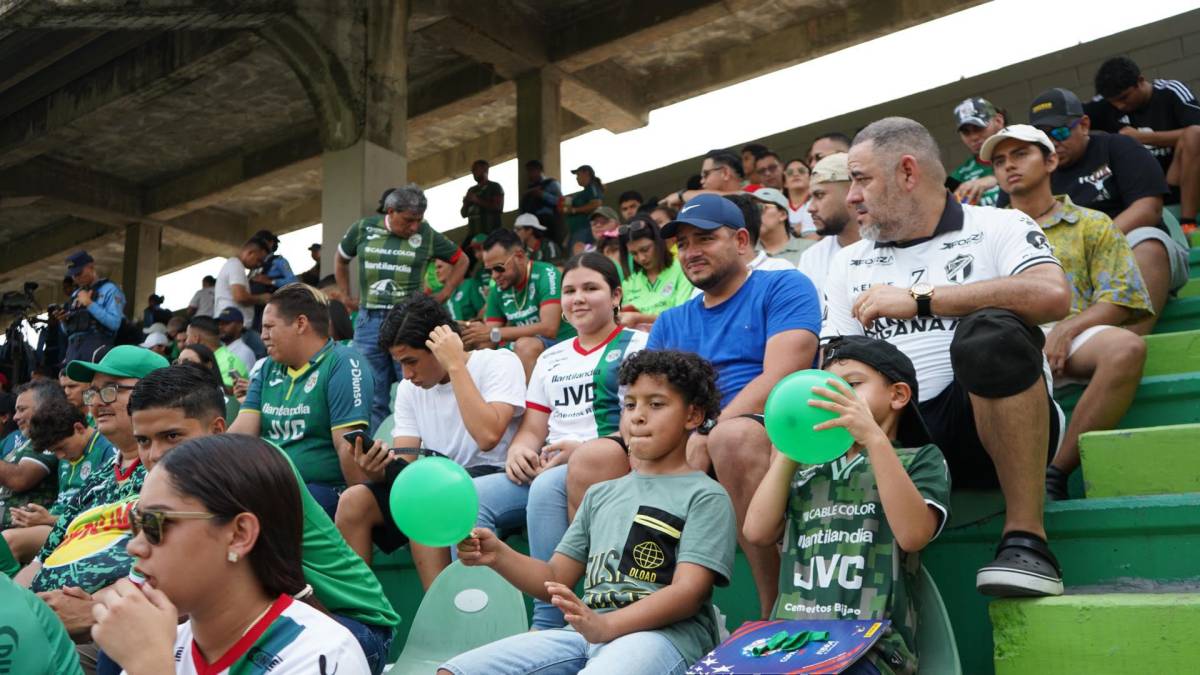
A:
(376, 641)
(541, 507)
(565, 652)
(386, 370)
(254, 341)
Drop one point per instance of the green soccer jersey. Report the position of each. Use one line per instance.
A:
(840, 558)
(479, 219)
(521, 306)
(972, 169)
(73, 476)
(670, 289)
(33, 640)
(392, 268)
(228, 362)
(300, 408)
(467, 300)
(17, 449)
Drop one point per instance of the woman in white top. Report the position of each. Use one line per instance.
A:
(796, 176)
(573, 399)
(217, 538)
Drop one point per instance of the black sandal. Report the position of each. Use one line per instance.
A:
(1024, 567)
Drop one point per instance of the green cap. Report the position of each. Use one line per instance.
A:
(479, 239)
(122, 361)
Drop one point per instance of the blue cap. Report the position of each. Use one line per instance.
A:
(77, 261)
(231, 314)
(707, 212)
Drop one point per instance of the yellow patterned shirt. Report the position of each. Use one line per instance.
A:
(1097, 259)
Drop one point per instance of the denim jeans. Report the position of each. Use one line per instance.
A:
(385, 370)
(376, 641)
(565, 652)
(542, 507)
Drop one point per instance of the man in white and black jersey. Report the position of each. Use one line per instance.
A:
(960, 290)
(827, 204)
(1161, 114)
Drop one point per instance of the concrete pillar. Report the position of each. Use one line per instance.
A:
(539, 129)
(140, 273)
(352, 180)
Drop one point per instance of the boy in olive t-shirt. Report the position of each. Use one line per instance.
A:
(853, 528)
(652, 545)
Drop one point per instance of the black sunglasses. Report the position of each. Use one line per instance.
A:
(153, 522)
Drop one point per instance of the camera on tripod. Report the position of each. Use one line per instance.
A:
(19, 302)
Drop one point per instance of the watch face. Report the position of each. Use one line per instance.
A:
(922, 288)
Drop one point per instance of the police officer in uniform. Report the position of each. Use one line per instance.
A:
(94, 314)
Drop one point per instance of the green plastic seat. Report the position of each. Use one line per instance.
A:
(1171, 220)
(937, 652)
(384, 432)
(465, 608)
(231, 409)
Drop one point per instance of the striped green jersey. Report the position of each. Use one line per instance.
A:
(578, 388)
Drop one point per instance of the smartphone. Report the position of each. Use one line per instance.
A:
(358, 434)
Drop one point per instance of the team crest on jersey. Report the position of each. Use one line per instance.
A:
(668, 288)
(85, 471)
(612, 356)
(958, 270)
(312, 382)
(415, 240)
(385, 287)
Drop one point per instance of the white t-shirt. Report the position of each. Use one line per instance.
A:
(579, 388)
(239, 349)
(433, 414)
(814, 262)
(232, 273)
(204, 300)
(768, 263)
(971, 243)
(291, 639)
(800, 216)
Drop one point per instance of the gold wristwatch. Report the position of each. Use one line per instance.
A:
(922, 292)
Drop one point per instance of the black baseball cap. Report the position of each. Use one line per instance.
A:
(585, 167)
(314, 247)
(1055, 107)
(77, 261)
(895, 366)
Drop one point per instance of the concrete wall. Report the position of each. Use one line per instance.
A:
(1169, 49)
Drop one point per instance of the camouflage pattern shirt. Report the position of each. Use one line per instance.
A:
(840, 559)
(86, 547)
(16, 449)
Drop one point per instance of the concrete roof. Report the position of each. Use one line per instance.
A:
(190, 115)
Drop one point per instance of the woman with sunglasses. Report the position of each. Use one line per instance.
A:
(796, 175)
(654, 282)
(217, 538)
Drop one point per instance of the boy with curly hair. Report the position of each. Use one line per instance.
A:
(653, 544)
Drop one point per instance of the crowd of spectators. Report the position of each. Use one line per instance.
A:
(601, 374)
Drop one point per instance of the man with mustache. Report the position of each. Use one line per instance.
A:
(960, 290)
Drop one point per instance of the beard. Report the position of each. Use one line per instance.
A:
(889, 220)
(834, 225)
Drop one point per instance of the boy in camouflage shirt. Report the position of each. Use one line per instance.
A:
(853, 528)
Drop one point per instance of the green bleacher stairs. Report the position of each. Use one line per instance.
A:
(1129, 543)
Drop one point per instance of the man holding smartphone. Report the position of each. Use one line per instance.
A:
(309, 394)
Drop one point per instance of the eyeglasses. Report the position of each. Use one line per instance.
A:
(768, 168)
(1061, 134)
(153, 522)
(107, 394)
(796, 172)
(705, 172)
(502, 267)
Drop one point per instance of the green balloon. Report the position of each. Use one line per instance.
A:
(790, 419)
(434, 502)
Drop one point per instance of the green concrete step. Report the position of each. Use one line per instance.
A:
(1156, 460)
(1190, 290)
(1180, 314)
(1098, 542)
(1095, 634)
(1172, 353)
(1161, 400)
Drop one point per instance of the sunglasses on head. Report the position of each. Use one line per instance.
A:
(636, 226)
(1061, 134)
(153, 522)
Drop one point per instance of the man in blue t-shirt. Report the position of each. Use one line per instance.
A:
(755, 328)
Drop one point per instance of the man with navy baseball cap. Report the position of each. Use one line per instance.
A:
(755, 327)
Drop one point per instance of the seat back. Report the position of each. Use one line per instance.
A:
(231, 409)
(1170, 216)
(384, 432)
(937, 652)
(465, 608)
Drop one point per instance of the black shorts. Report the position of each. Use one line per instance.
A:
(951, 421)
(387, 536)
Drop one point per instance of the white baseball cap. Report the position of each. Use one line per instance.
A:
(156, 339)
(529, 220)
(771, 196)
(1020, 132)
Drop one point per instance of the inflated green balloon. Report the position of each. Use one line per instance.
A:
(434, 502)
(790, 419)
